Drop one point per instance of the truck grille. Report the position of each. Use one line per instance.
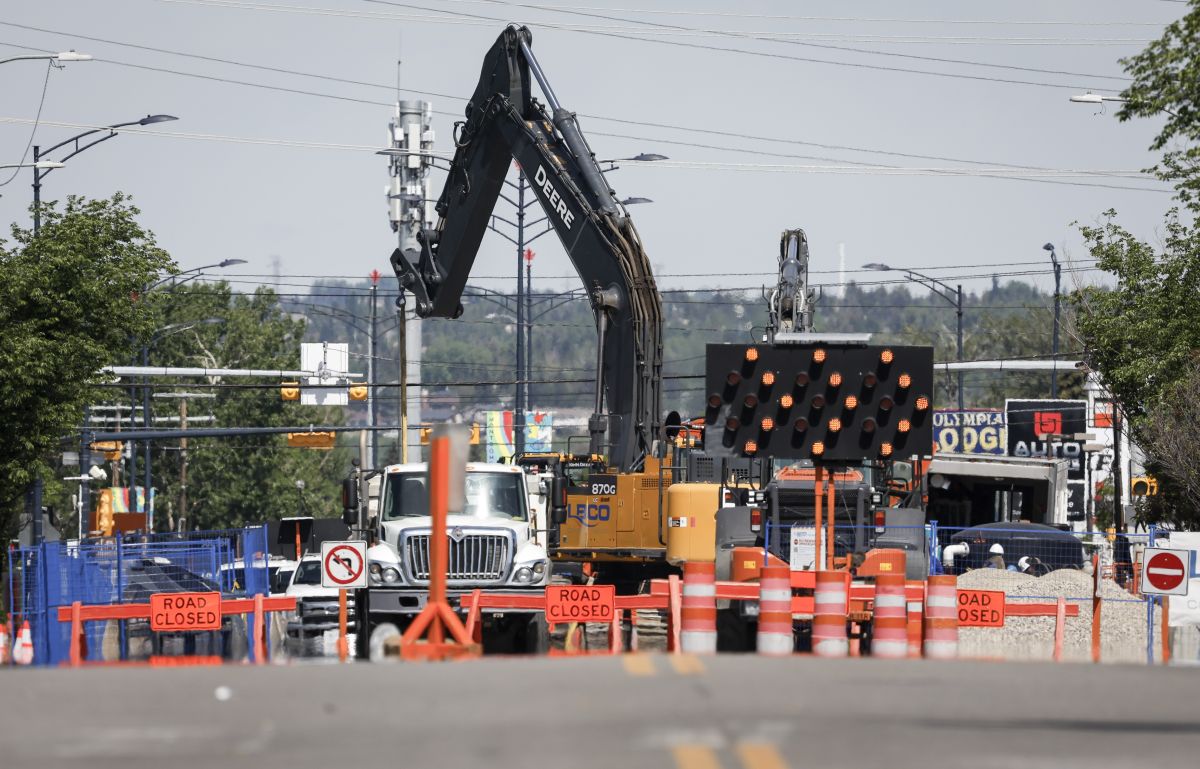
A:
(473, 558)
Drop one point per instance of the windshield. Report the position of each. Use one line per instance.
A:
(308, 573)
(489, 495)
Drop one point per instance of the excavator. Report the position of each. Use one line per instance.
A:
(616, 514)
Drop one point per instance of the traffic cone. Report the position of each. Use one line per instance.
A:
(23, 649)
(4, 643)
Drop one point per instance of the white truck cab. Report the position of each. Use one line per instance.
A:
(493, 541)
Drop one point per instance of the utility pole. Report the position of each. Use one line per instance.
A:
(183, 462)
(519, 396)
(372, 393)
(528, 325)
(410, 209)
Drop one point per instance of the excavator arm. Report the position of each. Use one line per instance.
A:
(504, 123)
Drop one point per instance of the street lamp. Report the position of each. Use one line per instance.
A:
(194, 273)
(1057, 281)
(43, 164)
(635, 201)
(38, 152)
(65, 56)
(1097, 98)
(951, 295)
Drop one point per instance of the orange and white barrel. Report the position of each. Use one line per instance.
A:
(889, 625)
(4, 643)
(941, 617)
(915, 593)
(698, 618)
(22, 652)
(830, 605)
(775, 611)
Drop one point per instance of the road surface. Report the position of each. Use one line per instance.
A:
(651, 711)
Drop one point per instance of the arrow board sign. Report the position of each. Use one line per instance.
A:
(1165, 572)
(344, 564)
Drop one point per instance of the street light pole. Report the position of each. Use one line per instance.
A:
(955, 297)
(40, 171)
(1057, 295)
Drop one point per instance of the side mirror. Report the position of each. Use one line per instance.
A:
(558, 500)
(350, 501)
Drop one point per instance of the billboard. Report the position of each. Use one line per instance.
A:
(970, 431)
(539, 434)
(1046, 428)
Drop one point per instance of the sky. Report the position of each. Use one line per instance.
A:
(280, 169)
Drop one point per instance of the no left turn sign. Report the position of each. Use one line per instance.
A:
(344, 564)
(1165, 572)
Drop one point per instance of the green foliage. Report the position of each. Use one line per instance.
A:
(1166, 81)
(67, 308)
(232, 481)
(1141, 335)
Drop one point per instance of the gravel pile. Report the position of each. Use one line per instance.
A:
(1122, 630)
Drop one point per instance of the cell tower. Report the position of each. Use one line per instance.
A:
(411, 209)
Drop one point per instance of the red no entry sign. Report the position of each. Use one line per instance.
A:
(1165, 572)
(344, 564)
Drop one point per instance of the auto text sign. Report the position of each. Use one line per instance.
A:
(344, 564)
(580, 603)
(1165, 572)
(981, 608)
(185, 611)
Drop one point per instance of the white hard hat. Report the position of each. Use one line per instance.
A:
(996, 549)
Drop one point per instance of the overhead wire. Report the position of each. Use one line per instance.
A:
(675, 142)
(33, 131)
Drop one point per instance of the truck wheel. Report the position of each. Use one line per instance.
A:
(536, 635)
(380, 634)
(733, 632)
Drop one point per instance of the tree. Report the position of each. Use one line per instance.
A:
(1166, 80)
(1170, 433)
(66, 310)
(234, 481)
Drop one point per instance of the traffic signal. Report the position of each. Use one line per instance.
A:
(112, 450)
(104, 514)
(313, 440)
(821, 401)
(427, 432)
(1143, 486)
(290, 391)
(358, 392)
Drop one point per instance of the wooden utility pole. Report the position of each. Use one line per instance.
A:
(183, 446)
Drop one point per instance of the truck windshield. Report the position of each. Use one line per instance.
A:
(308, 573)
(489, 495)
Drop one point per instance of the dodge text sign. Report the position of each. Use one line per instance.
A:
(981, 608)
(580, 603)
(185, 611)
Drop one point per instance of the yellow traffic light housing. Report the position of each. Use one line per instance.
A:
(358, 392)
(313, 440)
(290, 391)
(112, 450)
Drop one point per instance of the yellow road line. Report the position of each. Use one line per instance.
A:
(641, 665)
(686, 664)
(760, 755)
(695, 757)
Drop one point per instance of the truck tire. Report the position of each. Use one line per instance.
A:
(380, 634)
(734, 634)
(536, 635)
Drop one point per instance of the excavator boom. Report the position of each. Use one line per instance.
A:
(505, 123)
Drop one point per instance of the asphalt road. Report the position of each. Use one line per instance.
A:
(637, 711)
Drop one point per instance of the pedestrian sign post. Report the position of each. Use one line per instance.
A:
(1165, 572)
(344, 564)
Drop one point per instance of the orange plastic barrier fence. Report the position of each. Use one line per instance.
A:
(78, 613)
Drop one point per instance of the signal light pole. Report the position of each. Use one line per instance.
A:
(952, 295)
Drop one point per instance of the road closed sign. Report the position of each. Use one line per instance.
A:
(981, 608)
(1165, 572)
(580, 603)
(185, 611)
(344, 564)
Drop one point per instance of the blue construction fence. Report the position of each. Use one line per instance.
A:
(128, 569)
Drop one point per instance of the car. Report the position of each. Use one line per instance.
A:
(316, 606)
